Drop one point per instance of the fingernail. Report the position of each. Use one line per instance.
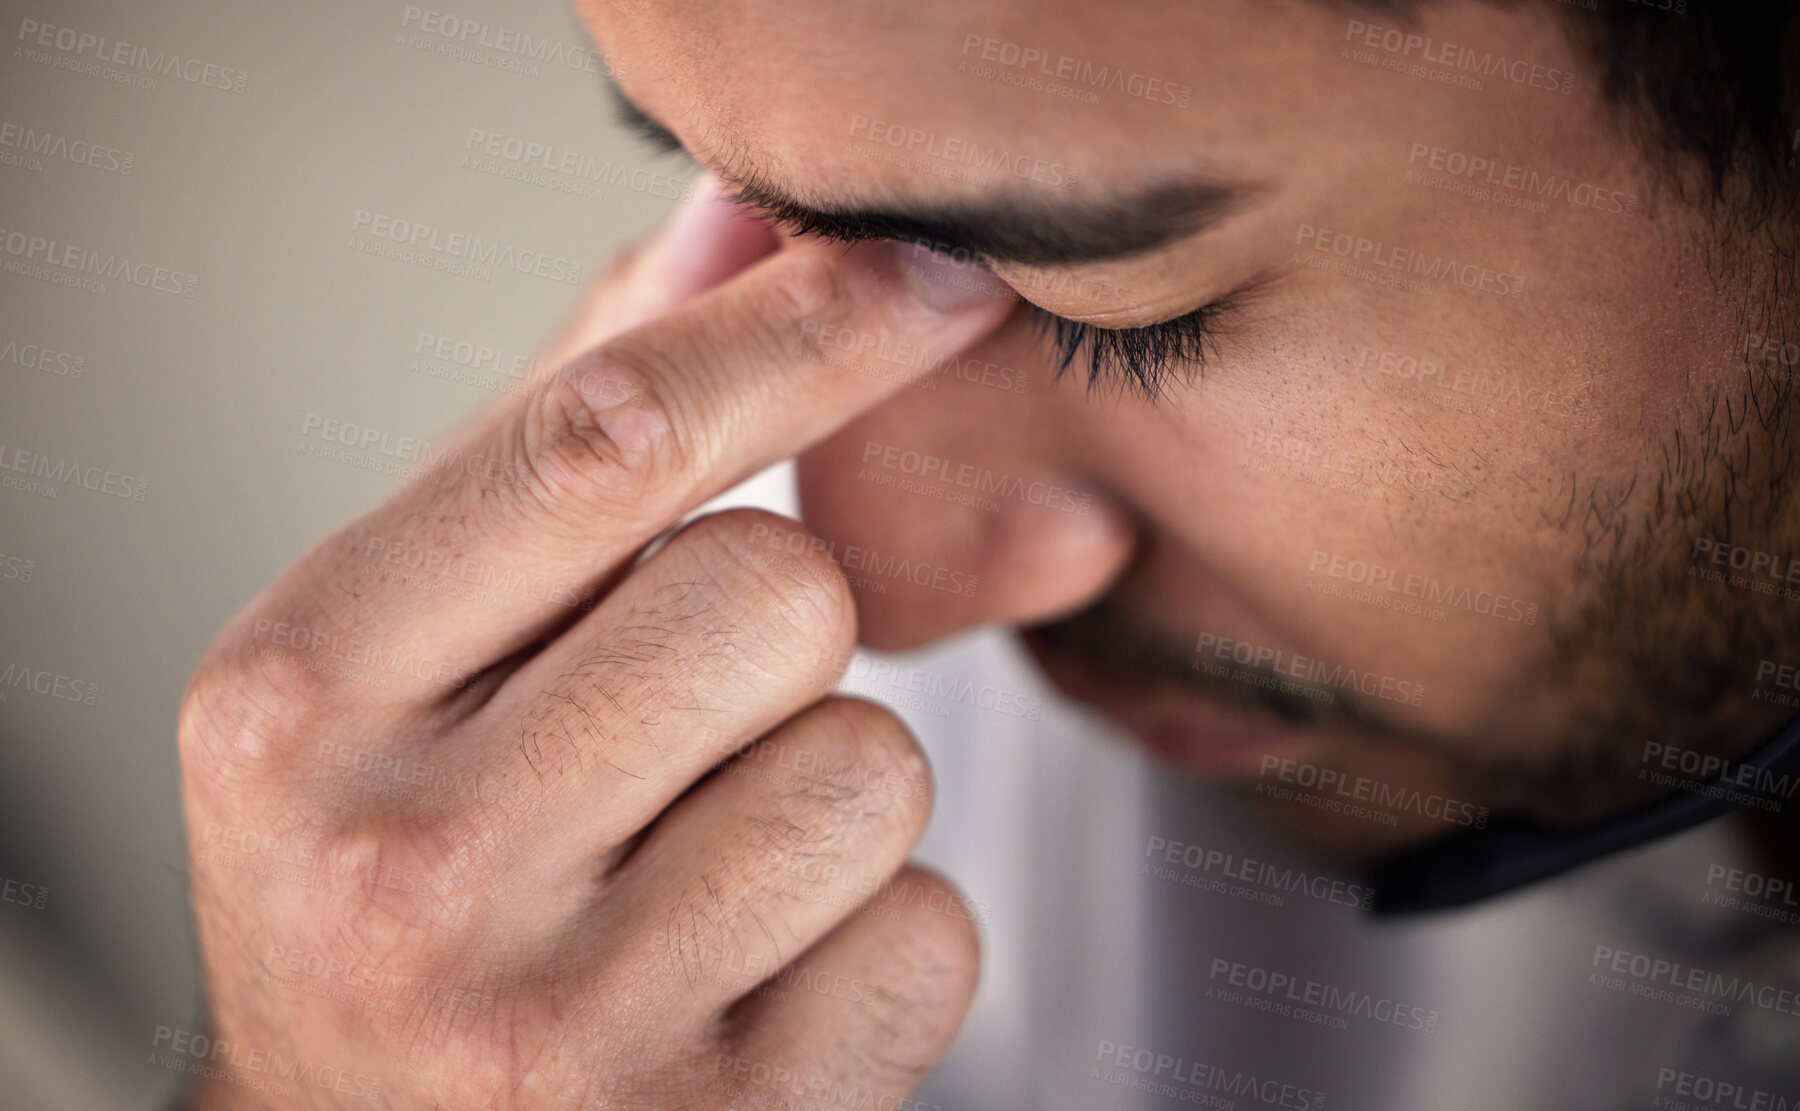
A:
(946, 282)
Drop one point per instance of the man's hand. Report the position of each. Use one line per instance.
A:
(472, 817)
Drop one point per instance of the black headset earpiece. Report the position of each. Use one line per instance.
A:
(1477, 864)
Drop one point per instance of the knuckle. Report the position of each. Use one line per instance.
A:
(401, 886)
(239, 710)
(785, 582)
(602, 434)
(809, 288)
(837, 804)
(935, 940)
(884, 749)
(868, 767)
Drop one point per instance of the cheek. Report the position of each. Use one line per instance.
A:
(1304, 502)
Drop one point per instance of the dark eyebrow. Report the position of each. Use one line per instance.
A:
(1011, 228)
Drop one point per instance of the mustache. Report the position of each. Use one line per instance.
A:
(1112, 640)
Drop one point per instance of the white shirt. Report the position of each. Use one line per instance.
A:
(1093, 958)
(1048, 822)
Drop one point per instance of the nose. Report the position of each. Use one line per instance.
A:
(963, 501)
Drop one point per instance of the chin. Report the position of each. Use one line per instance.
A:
(1292, 776)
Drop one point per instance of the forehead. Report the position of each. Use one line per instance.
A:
(947, 99)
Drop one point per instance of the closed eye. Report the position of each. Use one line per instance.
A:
(1133, 360)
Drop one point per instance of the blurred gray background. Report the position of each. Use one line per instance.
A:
(253, 193)
(200, 401)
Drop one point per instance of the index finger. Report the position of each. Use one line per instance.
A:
(520, 524)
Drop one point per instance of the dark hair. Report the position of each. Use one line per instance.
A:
(1703, 83)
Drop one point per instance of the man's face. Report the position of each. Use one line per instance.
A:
(1422, 518)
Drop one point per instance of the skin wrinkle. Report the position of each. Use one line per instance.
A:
(1009, 230)
(1641, 323)
(1016, 238)
(1006, 229)
(1641, 576)
(1632, 557)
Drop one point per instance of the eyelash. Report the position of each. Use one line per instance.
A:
(1133, 360)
